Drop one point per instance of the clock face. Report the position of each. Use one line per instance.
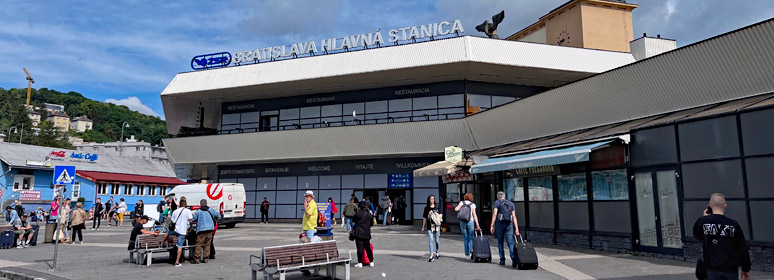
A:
(563, 39)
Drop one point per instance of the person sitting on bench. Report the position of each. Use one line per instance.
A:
(22, 228)
(139, 229)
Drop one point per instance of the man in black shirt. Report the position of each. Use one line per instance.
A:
(97, 214)
(139, 229)
(724, 247)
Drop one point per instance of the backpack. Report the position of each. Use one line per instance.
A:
(465, 212)
(505, 207)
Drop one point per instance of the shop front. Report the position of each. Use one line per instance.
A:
(576, 195)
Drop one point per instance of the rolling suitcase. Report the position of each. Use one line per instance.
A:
(481, 251)
(34, 240)
(528, 259)
(6, 239)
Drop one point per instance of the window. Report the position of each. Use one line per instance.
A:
(151, 190)
(540, 189)
(572, 186)
(352, 111)
(23, 182)
(331, 115)
(162, 191)
(102, 188)
(451, 106)
(128, 190)
(484, 101)
(115, 189)
(140, 190)
(610, 185)
(425, 108)
(289, 118)
(310, 117)
(514, 189)
(400, 110)
(96, 149)
(500, 100)
(376, 112)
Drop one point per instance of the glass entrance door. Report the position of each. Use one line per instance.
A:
(658, 212)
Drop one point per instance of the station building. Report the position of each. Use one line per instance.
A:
(597, 148)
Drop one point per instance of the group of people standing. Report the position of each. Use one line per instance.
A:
(70, 222)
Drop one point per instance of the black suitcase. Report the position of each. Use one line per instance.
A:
(481, 250)
(34, 240)
(6, 239)
(527, 256)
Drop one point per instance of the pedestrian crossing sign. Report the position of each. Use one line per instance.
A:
(64, 175)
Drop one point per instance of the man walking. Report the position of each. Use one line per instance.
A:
(309, 224)
(724, 247)
(504, 224)
(160, 208)
(97, 214)
(265, 210)
(205, 219)
(385, 204)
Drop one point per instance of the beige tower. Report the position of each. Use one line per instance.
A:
(592, 24)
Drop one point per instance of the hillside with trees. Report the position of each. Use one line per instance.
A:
(107, 119)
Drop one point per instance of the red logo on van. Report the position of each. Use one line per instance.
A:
(214, 191)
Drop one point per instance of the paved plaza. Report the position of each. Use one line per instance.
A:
(400, 253)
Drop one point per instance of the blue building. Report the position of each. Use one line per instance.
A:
(26, 174)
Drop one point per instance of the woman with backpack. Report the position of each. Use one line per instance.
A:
(432, 223)
(362, 234)
(466, 213)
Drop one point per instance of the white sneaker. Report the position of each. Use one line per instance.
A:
(81, 243)
(371, 264)
(179, 265)
(22, 247)
(358, 265)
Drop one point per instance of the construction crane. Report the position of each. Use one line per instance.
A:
(30, 81)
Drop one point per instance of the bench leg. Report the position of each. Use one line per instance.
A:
(346, 271)
(316, 271)
(267, 276)
(332, 271)
(282, 275)
(150, 258)
(255, 275)
(131, 257)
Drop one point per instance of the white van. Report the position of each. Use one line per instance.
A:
(227, 198)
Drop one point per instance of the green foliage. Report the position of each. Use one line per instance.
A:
(50, 136)
(107, 118)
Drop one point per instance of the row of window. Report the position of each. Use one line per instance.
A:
(606, 185)
(131, 190)
(383, 111)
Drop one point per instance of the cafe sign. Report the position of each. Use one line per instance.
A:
(458, 176)
(452, 154)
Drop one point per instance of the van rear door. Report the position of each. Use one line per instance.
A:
(233, 200)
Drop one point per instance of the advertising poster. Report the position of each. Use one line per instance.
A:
(324, 215)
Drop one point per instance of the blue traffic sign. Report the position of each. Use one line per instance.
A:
(64, 175)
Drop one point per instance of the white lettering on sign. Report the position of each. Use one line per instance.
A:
(535, 170)
(412, 165)
(369, 166)
(353, 41)
(241, 107)
(237, 171)
(320, 99)
(277, 170)
(412, 91)
(319, 168)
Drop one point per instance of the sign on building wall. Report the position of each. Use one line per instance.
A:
(29, 195)
(458, 176)
(453, 154)
(400, 181)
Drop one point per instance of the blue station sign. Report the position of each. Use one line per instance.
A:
(213, 60)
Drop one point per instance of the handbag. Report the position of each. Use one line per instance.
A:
(172, 227)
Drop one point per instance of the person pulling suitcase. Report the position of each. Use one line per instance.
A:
(528, 259)
(481, 251)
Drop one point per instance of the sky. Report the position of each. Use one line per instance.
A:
(126, 52)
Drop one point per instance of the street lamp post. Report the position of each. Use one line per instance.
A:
(121, 141)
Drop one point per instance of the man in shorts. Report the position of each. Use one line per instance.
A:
(23, 228)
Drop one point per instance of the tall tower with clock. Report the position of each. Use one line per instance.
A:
(592, 24)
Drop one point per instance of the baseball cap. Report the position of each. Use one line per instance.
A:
(309, 193)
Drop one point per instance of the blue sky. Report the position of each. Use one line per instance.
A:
(126, 52)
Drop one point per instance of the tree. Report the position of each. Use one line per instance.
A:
(51, 136)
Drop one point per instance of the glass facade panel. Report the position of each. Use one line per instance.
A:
(330, 182)
(425, 108)
(357, 109)
(646, 209)
(541, 214)
(514, 189)
(286, 183)
(352, 182)
(289, 114)
(250, 117)
(757, 131)
(758, 181)
(269, 183)
(286, 197)
(485, 101)
(310, 117)
(400, 110)
(330, 110)
(572, 186)
(669, 210)
(249, 183)
(540, 189)
(700, 180)
(376, 112)
(230, 119)
(574, 215)
(610, 185)
(709, 139)
(500, 100)
(653, 146)
(376, 181)
(612, 216)
(763, 228)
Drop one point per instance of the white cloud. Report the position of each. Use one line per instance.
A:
(670, 7)
(134, 104)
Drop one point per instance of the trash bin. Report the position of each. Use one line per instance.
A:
(50, 229)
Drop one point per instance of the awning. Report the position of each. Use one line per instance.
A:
(442, 168)
(128, 178)
(541, 158)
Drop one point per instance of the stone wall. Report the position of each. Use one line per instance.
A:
(545, 237)
(617, 244)
(572, 239)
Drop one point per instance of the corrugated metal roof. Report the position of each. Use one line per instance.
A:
(17, 155)
(735, 65)
(379, 140)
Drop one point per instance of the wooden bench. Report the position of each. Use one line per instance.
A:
(4, 228)
(147, 244)
(297, 257)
